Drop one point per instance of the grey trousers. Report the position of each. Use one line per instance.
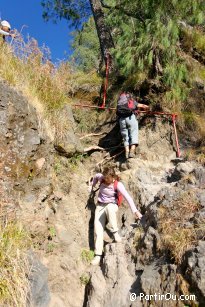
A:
(129, 130)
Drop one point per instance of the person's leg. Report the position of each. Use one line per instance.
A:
(100, 220)
(132, 151)
(111, 212)
(125, 136)
(133, 130)
(127, 151)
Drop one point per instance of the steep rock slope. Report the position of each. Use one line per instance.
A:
(28, 186)
(48, 193)
(163, 254)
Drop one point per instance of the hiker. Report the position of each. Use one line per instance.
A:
(5, 29)
(107, 207)
(126, 106)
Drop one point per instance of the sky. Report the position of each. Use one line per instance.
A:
(26, 15)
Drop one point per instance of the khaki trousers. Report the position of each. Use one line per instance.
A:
(104, 213)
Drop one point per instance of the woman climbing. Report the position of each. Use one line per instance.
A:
(107, 207)
(126, 106)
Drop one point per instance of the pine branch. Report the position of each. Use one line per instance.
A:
(119, 8)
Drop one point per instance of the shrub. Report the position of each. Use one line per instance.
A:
(87, 255)
(27, 67)
(84, 279)
(175, 236)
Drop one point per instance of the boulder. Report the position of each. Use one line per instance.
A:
(195, 271)
(67, 143)
(38, 279)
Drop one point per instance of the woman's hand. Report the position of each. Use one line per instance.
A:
(90, 184)
(143, 106)
(138, 215)
(90, 188)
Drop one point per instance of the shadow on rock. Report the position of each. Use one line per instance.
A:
(91, 206)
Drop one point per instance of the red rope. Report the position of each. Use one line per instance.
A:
(175, 133)
(174, 116)
(92, 107)
(114, 109)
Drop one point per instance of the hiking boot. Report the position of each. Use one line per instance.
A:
(96, 260)
(117, 237)
(131, 154)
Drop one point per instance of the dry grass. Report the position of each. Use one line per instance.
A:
(48, 87)
(28, 69)
(194, 38)
(178, 241)
(196, 155)
(138, 236)
(176, 237)
(14, 286)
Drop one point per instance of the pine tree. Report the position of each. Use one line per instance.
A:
(86, 48)
(78, 12)
(147, 36)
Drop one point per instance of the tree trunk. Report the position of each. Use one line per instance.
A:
(104, 35)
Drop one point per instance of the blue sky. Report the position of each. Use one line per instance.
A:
(28, 13)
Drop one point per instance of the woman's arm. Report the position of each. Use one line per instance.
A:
(96, 178)
(128, 198)
(143, 106)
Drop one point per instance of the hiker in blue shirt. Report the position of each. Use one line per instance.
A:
(126, 107)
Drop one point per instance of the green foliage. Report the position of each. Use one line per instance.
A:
(57, 167)
(86, 48)
(147, 38)
(194, 39)
(50, 247)
(74, 11)
(75, 159)
(84, 279)
(87, 255)
(201, 73)
(52, 231)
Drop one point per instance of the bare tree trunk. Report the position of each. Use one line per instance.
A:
(104, 35)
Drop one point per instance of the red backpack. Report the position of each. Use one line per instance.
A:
(125, 106)
(118, 195)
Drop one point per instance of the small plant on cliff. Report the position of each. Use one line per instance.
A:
(52, 232)
(14, 285)
(50, 248)
(87, 255)
(196, 154)
(84, 279)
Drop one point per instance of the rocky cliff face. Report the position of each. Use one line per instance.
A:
(48, 193)
(29, 190)
(162, 255)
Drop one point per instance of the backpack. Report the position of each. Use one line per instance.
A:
(118, 195)
(125, 106)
